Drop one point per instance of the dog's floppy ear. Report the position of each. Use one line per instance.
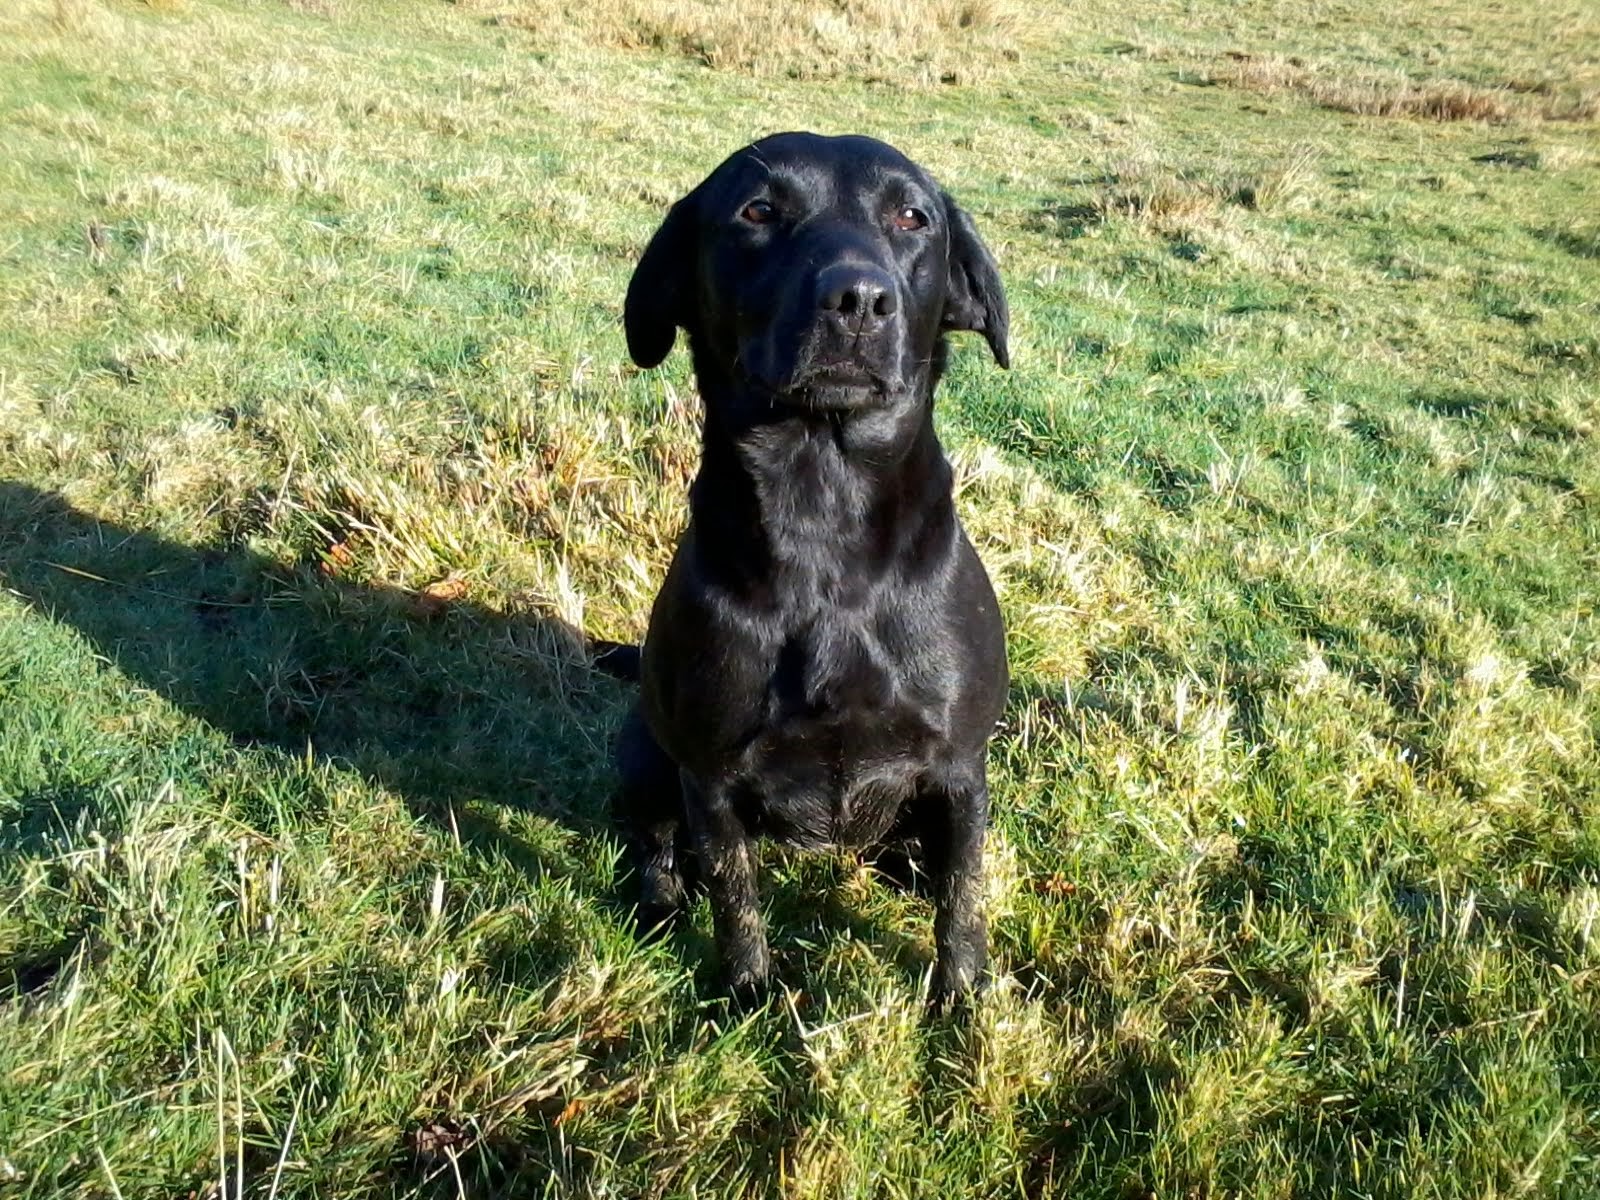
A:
(661, 292)
(975, 298)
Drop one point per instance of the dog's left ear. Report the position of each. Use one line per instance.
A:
(975, 299)
(661, 293)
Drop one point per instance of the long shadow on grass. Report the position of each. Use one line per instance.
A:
(465, 712)
(447, 703)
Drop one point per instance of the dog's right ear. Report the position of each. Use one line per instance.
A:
(661, 292)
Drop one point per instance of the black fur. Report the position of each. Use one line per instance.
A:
(825, 661)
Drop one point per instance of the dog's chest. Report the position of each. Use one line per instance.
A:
(844, 734)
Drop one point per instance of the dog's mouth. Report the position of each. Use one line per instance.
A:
(829, 386)
(810, 374)
(838, 387)
(838, 375)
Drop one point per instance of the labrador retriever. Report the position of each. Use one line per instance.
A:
(825, 661)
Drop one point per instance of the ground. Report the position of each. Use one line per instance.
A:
(319, 454)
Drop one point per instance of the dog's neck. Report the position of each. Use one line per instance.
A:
(796, 502)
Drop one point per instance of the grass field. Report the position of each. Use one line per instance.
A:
(318, 448)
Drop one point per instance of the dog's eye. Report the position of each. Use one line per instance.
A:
(910, 218)
(758, 212)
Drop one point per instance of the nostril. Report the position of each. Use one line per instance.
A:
(855, 296)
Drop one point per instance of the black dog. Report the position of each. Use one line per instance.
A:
(825, 661)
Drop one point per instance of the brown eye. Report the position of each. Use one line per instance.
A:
(758, 212)
(910, 218)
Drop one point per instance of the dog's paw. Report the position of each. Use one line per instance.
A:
(660, 901)
(652, 922)
(747, 980)
(953, 991)
(748, 994)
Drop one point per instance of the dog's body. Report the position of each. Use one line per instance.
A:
(825, 660)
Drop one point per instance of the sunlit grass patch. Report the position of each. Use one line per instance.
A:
(320, 456)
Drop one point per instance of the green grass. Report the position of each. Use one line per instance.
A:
(318, 447)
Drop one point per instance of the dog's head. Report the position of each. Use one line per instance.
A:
(817, 271)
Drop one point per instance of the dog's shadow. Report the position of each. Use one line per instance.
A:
(465, 712)
(447, 703)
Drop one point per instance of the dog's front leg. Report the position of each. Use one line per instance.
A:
(955, 818)
(728, 866)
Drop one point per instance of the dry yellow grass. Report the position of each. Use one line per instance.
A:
(1178, 202)
(942, 41)
(1395, 95)
(1392, 94)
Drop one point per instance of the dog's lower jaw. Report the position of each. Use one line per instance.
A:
(838, 389)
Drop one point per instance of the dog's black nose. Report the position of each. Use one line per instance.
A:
(858, 298)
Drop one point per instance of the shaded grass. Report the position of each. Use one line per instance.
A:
(318, 452)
